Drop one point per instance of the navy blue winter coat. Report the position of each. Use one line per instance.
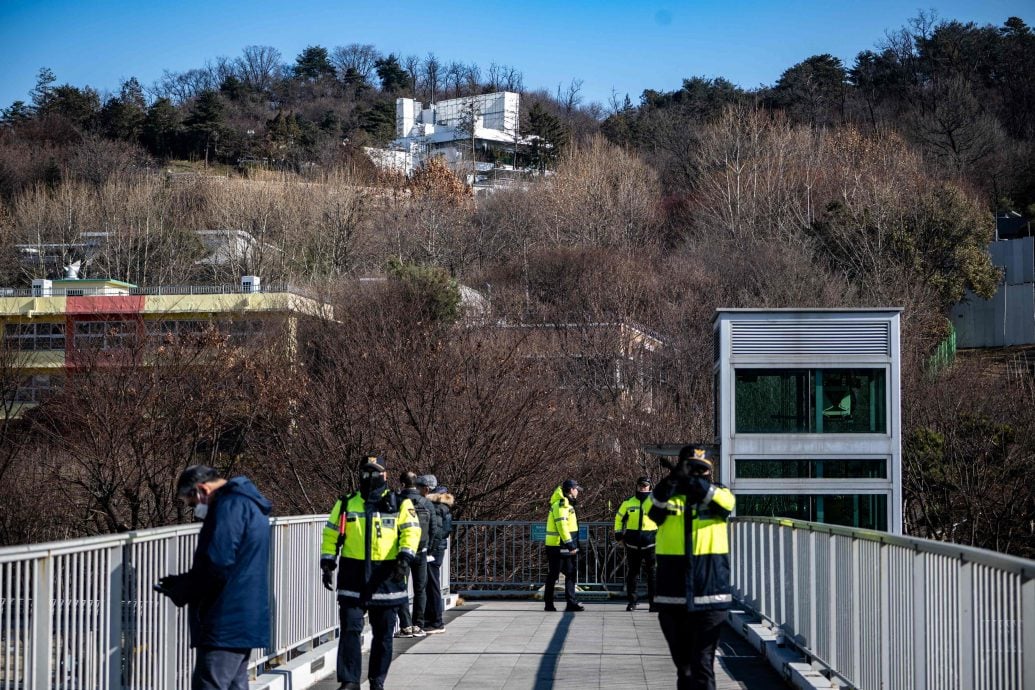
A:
(229, 578)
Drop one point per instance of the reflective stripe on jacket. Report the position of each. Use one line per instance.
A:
(709, 560)
(562, 526)
(633, 523)
(375, 532)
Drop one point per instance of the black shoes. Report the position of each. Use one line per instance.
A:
(575, 606)
(631, 606)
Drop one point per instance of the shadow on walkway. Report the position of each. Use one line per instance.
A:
(548, 665)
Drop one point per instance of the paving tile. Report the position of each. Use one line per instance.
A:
(515, 645)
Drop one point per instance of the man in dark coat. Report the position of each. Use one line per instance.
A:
(442, 500)
(227, 586)
(411, 622)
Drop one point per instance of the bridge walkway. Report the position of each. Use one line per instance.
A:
(515, 645)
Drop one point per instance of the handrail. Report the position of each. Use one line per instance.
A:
(158, 290)
(888, 611)
(82, 613)
(499, 555)
(969, 554)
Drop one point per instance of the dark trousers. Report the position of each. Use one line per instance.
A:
(557, 564)
(419, 579)
(635, 560)
(350, 644)
(435, 606)
(692, 638)
(216, 668)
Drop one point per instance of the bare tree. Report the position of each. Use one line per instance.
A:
(181, 87)
(432, 71)
(571, 96)
(412, 65)
(119, 437)
(360, 57)
(257, 66)
(454, 77)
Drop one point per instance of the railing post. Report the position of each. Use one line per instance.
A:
(885, 616)
(919, 621)
(172, 558)
(813, 598)
(42, 623)
(965, 604)
(116, 557)
(832, 655)
(856, 642)
(1027, 649)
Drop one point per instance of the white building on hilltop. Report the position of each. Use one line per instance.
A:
(478, 133)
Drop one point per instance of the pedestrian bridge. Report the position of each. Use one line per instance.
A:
(867, 609)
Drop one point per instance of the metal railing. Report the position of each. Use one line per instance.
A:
(890, 612)
(224, 289)
(82, 613)
(507, 555)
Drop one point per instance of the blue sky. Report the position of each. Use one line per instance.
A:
(612, 45)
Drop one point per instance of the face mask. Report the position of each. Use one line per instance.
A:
(200, 511)
(572, 500)
(642, 495)
(369, 485)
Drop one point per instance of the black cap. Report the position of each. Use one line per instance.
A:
(644, 480)
(569, 484)
(372, 461)
(697, 456)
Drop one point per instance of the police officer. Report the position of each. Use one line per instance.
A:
(635, 529)
(562, 544)
(375, 533)
(693, 590)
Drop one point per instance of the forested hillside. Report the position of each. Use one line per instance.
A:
(870, 184)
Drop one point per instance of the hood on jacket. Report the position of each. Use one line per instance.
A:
(558, 494)
(242, 486)
(446, 499)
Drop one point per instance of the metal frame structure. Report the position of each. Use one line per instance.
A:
(887, 611)
(794, 339)
(82, 613)
(879, 610)
(499, 556)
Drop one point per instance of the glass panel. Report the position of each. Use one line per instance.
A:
(868, 511)
(35, 336)
(851, 401)
(771, 401)
(810, 469)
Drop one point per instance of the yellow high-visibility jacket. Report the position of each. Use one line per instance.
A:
(366, 536)
(708, 586)
(562, 527)
(634, 525)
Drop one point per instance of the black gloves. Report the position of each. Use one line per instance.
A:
(402, 566)
(327, 565)
(176, 587)
(674, 483)
(664, 489)
(697, 488)
(679, 481)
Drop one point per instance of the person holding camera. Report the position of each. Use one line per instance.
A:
(693, 564)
